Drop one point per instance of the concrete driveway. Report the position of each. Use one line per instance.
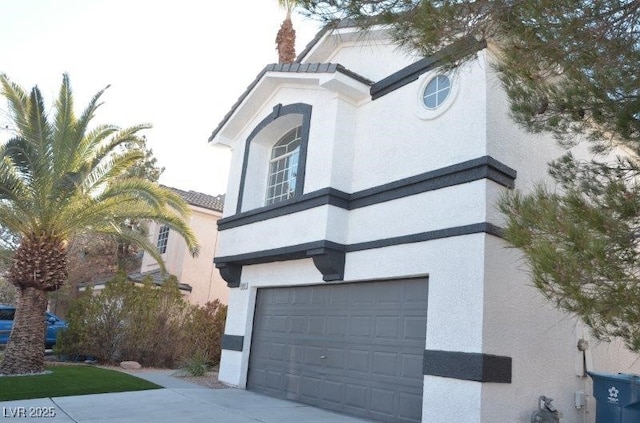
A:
(179, 401)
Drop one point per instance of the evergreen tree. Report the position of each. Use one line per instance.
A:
(570, 68)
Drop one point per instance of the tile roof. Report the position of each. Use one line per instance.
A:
(157, 278)
(199, 199)
(291, 68)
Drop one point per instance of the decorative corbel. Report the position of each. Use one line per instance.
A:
(231, 273)
(329, 261)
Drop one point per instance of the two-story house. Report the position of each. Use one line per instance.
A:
(363, 248)
(198, 278)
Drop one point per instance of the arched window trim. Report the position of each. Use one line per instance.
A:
(283, 167)
(279, 111)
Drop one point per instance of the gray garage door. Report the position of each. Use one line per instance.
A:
(355, 348)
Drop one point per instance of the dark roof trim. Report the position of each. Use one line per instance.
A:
(462, 48)
(291, 68)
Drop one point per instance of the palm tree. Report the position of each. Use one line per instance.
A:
(59, 178)
(286, 37)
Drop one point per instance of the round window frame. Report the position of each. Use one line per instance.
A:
(422, 110)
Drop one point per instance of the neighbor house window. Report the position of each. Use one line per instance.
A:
(283, 167)
(163, 237)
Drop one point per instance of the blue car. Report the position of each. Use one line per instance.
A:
(53, 322)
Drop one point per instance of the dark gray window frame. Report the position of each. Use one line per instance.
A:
(279, 111)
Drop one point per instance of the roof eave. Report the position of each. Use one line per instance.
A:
(331, 76)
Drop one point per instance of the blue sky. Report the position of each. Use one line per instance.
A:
(177, 65)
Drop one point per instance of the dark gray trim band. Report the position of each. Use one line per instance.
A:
(311, 200)
(278, 111)
(329, 256)
(475, 228)
(485, 167)
(467, 366)
(407, 75)
(232, 342)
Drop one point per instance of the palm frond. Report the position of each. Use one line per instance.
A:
(17, 100)
(39, 129)
(136, 238)
(14, 219)
(64, 124)
(288, 5)
(12, 186)
(19, 154)
(148, 193)
(108, 169)
(119, 139)
(82, 124)
(92, 139)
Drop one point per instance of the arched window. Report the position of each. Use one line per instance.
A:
(275, 155)
(283, 167)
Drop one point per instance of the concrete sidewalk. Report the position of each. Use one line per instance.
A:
(179, 401)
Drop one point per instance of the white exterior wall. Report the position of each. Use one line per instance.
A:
(454, 321)
(545, 355)
(394, 142)
(480, 298)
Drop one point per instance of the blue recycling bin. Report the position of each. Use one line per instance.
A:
(617, 397)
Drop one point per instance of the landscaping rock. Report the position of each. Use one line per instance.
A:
(130, 365)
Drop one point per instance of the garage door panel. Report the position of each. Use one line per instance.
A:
(360, 326)
(354, 348)
(412, 367)
(332, 391)
(413, 328)
(382, 401)
(387, 327)
(409, 406)
(337, 325)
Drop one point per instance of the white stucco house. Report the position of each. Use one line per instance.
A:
(363, 248)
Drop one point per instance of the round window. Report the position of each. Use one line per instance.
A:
(436, 91)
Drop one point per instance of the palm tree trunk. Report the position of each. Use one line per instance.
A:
(286, 41)
(25, 350)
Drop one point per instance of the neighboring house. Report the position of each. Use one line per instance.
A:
(198, 278)
(363, 245)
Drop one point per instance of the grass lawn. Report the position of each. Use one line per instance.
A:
(70, 380)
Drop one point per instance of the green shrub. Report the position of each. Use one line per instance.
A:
(206, 329)
(196, 364)
(153, 326)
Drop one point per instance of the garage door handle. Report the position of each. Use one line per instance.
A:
(323, 357)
